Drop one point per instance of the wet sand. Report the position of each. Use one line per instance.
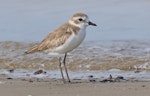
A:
(21, 87)
(124, 55)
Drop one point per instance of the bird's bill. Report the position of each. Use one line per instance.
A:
(91, 23)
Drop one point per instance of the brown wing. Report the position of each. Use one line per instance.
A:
(53, 39)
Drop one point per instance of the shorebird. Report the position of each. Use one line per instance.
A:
(64, 39)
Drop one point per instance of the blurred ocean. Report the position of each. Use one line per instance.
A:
(28, 21)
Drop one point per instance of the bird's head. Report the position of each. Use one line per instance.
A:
(81, 20)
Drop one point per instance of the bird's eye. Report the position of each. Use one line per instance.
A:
(80, 19)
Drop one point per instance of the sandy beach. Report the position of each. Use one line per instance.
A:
(22, 87)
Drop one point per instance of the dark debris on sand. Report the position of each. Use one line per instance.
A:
(109, 79)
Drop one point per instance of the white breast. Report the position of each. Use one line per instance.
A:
(73, 42)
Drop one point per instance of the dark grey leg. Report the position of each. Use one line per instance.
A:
(64, 62)
(60, 67)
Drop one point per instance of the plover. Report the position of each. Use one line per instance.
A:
(64, 39)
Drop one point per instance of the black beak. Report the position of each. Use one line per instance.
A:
(91, 23)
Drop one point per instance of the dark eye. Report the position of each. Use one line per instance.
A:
(80, 19)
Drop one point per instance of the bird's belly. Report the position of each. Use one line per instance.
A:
(74, 43)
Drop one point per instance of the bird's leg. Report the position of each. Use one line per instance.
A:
(60, 67)
(64, 62)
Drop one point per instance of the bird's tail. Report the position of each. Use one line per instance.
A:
(32, 49)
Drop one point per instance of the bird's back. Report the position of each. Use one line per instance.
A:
(55, 39)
